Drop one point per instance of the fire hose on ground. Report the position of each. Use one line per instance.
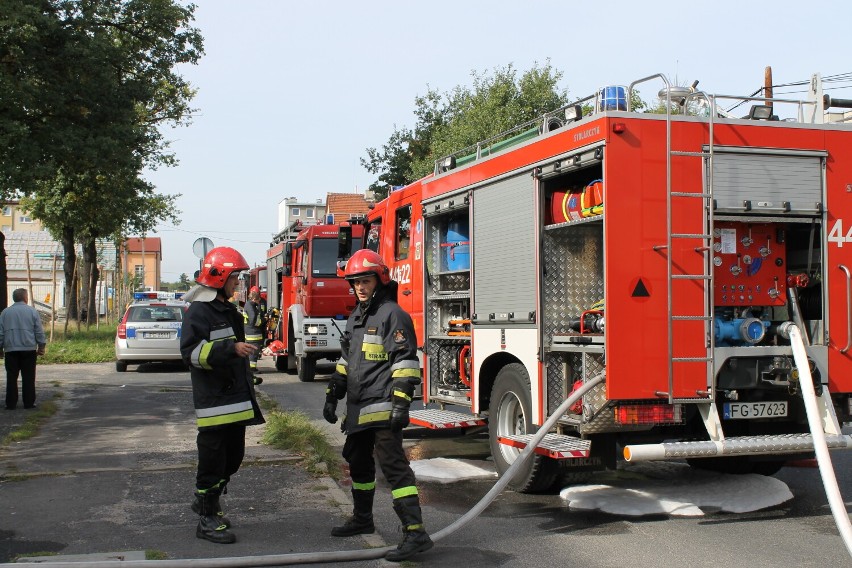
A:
(826, 470)
(838, 508)
(348, 555)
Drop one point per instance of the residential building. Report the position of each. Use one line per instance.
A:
(141, 261)
(13, 218)
(35, 261)
(338, 207)
(343, 206)
(307, 212)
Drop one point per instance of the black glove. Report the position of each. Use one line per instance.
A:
(329, 411)
(399, 418)
(336, 388)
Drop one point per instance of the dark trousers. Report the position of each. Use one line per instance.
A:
(220, 453)
(358, 452)
(256, 355)
(23, 363)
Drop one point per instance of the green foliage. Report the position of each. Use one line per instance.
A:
(84, 90)
(293, 431)
(449, 122)
(85, 85)
(84, 346)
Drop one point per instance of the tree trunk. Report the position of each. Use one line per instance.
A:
(4, 276)
(90, 256)
(68, 268)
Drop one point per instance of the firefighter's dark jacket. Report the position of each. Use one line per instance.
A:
(222, 386)
(378, 361)
(255, 320)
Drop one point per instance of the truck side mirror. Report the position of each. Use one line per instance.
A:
(288, 253)
(344, 242)
(288, 259)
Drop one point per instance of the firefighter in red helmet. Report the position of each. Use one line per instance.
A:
(377, 373)
(213, 344)
(255, 323)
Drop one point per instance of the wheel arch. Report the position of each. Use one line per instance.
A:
(488, 375)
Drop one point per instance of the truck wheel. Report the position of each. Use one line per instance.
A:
(306, 369)
(511, 413)
(121, 366)
(281, 363)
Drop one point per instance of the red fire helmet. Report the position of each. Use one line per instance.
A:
(365, 262)
(218, 266)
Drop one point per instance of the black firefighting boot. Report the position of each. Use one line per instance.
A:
(196, 508)
(210, 526)
(361, 521)
(414, 537)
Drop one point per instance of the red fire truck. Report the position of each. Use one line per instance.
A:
(252, 277)
(312, 301)
(670, 252)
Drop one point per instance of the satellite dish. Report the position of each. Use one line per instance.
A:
(201, 247)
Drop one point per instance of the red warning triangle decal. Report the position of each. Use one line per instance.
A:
(640, 290)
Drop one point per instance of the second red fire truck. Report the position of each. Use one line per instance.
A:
(312, 302)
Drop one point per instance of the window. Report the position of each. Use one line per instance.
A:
(309, 212)
(295, 212)
(374, 231)
(403, 231)
(324, 257)
(25, 219)
(7, 210)
(139, 272)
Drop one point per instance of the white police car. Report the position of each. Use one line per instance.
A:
(150, 329)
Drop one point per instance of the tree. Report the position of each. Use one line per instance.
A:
(449, 122)
(85, 87)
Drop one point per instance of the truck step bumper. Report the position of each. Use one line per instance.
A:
(437, 419)
(736, 446)
(556, 446)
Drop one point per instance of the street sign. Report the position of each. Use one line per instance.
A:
(201, 247)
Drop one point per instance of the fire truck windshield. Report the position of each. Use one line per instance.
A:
(324, 257)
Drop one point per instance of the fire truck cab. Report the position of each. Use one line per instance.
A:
(671, 252)
(313, 302)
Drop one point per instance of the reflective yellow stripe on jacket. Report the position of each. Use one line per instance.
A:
(381, 411)
(202, 350)
(373, 348)
(227, 414)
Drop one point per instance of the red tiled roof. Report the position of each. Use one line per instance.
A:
(342, 205)
(152, 244)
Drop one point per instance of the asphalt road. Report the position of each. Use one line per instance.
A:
(114, 469)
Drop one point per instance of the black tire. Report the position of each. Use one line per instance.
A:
(281, 363)
(510, 413)
(306, 369)
(568, 477)
(121, 366)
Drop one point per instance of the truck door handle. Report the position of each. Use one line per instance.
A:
(848, 308)
(406, 292)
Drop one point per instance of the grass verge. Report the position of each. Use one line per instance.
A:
(33, 421)
(293, 431)
(84, 346)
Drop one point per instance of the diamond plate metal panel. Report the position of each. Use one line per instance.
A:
(441, 419)
(573, 275)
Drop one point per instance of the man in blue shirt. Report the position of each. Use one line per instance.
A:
(22, 339)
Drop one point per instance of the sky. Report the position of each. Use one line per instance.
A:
(290, 94)
(636, 490)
